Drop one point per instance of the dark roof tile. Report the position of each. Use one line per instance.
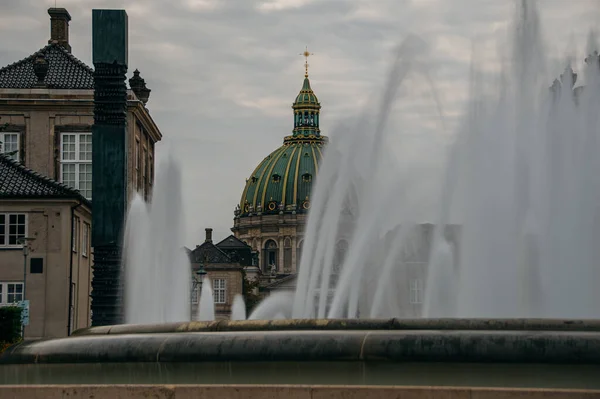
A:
(232, 242)
(65, 71)
(19, 182)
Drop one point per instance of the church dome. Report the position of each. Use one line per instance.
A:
(282, 182)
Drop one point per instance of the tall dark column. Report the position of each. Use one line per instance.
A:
(109, 182)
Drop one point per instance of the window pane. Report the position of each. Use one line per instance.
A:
(10, 144)
(85, 179)
(85, 147)
(15, 293)
(68, 175)
(16, 228)
(2, 230)
(68, 147)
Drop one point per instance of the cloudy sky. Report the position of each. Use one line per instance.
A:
(224, 73)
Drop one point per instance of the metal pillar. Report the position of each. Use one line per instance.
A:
(109, 162)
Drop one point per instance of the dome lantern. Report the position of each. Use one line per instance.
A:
(306, 108)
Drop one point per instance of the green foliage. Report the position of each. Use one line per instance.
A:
(250, 292)
(10, 324)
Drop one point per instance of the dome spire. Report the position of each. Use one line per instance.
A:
(306, 110)
(306, 54)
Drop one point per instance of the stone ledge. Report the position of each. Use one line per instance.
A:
(281, 391)
(351, 324)
(564, 347)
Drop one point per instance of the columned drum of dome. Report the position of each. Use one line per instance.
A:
(277, 194)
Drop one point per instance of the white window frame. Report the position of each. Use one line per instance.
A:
(136, 156)
(85, 239)
(220, 291)
(17, 155)
(4, 285)
(416, 291)
(144, 189)
(6, 228)
(77, 161)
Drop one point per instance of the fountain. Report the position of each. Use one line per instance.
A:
(206, 307)
(238, 309)
(157, 270)
(526, 157)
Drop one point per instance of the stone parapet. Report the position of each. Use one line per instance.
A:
(280, 391)
(557, 347)
(351, 324)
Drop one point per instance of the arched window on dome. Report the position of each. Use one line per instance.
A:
(307, 178)
(287, 255)
(270, 257)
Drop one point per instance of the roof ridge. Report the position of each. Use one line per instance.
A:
(235, 238)
(65, 71)
(23, 60)
(40, 177)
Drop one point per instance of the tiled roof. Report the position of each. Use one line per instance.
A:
(232, 242)
(208, 253)
(19, 182)
(65, 71)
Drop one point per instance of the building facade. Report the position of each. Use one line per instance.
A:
(272, 212)
(223, 264)
(54, 272)
(46, 118)
(47, 107)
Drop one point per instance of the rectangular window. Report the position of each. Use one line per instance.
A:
(9, 144)
(144, 173)
(75, 233)
(219, 290)
(76, 162)
(416, 291)
(2, 230)
(11, 293)
(136, 157)
(12, 227)
(85, 239)
(151, 170)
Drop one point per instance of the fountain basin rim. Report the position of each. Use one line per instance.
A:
(492, 346)
(471, 324)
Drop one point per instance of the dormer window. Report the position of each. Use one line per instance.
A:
(276, 178)
(307, 178)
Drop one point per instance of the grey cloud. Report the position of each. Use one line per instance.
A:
(211, 69)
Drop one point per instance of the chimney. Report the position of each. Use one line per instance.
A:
(59, 27)
(208, 234)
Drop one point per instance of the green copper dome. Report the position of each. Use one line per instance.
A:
(282, 182)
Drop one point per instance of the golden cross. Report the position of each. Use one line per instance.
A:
(306, 54)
